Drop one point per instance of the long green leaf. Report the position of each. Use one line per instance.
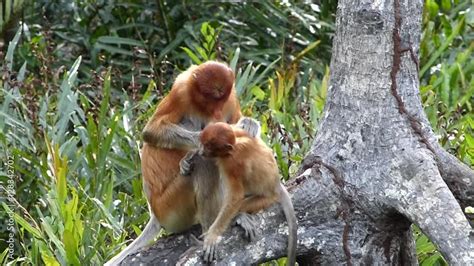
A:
(119, 40)
(116, 50)
(23, 223)
(107, 214)
(443, 47)
(104, 105)
(235, 59)
(11, 49)
(192, 55)
(3, 256)
(172, 45)
(106, 145)
(53, 238)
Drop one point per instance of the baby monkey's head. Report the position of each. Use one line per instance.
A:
(217, 140)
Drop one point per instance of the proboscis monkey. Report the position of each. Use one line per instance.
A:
(200, 95)
(250, 177)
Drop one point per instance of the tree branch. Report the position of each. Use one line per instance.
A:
(425, 200)
(458, 176)
(311, 207)
(324, 234)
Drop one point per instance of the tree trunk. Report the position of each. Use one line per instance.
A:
(374, 168)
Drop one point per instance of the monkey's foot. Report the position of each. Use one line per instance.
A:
(210, 244)
(250, 125)
(186, 164)
(248, 223)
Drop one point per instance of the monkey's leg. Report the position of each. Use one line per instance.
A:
(208, 194)
(148, 234)
(170, 195)
(254, 204)
(207, 188)
(175, 207)
(212, 237)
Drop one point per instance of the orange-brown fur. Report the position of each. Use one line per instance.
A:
(200, 95)
(186, 100)
(172, 198)
(248, 167)
(250, 176)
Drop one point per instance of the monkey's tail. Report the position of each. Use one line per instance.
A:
(290, 215)
(152, 228)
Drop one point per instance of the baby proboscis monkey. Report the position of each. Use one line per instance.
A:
(250, 177)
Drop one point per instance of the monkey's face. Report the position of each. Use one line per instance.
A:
(217, 140)
(214, 80)
(217, 91)
(215, 150)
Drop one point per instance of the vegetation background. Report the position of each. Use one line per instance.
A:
(80, 78)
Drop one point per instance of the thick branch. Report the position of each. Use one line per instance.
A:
(327, 232)
(423, 197)
(458, 176)
(272, 231)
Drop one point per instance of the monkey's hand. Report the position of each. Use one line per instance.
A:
(186, 164)
(210, 244)
(250, 125)
(248, 223)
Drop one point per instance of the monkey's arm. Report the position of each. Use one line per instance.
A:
(232, 201)
(170, 135)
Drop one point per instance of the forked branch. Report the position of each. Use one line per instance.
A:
(427, 201)
(458, 176)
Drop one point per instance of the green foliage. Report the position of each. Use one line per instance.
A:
(208, 40)
(8, 10)
(70, 163)
(290, 136)
(143, 39)
(427, 253)
(449, 88)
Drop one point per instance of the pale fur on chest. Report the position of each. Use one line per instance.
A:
(197, 123)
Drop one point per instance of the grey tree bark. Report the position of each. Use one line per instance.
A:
(374, 168)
